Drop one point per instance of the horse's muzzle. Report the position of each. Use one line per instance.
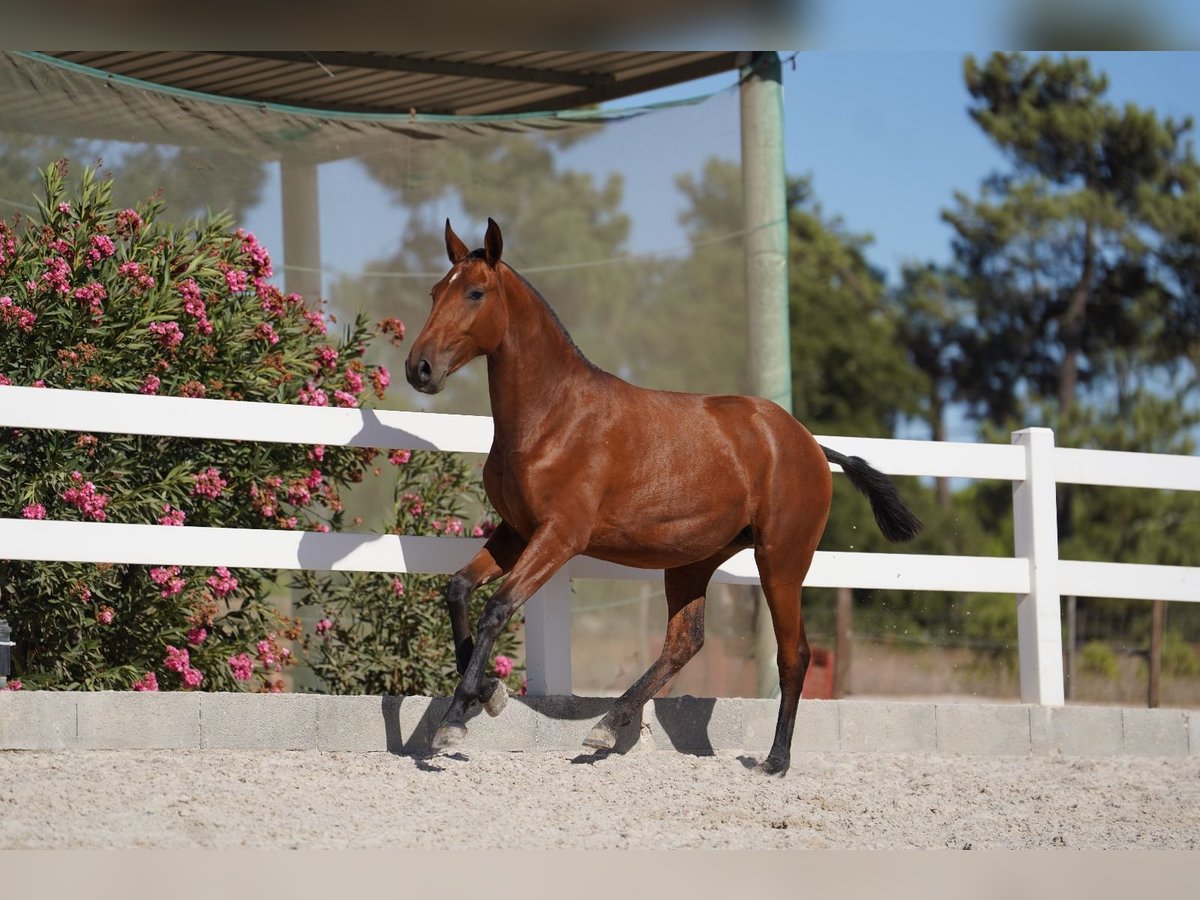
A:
(420, 375)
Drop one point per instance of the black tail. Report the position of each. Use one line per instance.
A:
(894, 519)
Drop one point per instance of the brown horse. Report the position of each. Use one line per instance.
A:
(585, 463)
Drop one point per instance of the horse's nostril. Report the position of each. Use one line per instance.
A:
(424, 371)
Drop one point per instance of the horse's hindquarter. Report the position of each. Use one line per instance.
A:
(686, 474)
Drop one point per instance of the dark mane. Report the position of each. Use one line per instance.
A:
(475, 254)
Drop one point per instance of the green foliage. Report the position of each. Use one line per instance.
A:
(1179, 659)
(379, 634)
(97, 297)
(1098, 658)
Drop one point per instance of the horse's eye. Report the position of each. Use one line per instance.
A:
(475, 294)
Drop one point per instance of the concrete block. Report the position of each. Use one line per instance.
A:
(139, 720)
(513, 729)
(1076, 730)
(988, 730)
(1155, 732)
(873, 727)
(366, 723)
(258, 721)
(561, 723)
(695, 725)
(817, 727)
(37, 720)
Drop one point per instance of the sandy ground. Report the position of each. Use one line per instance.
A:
(231, 799)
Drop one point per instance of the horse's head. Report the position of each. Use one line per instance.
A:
(468, 318)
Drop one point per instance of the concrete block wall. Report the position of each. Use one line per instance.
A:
(46, 720)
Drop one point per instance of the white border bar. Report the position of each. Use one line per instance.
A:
(106, 412)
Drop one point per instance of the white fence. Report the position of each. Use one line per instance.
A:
(1032, 463)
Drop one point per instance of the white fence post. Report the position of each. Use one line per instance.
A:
(548, 638)
(1035, 529)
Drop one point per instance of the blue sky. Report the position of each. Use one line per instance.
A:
(887, 141)
(884, 135)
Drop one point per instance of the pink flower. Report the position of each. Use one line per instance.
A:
(242, 666)
(64, 208)
(316, 322)
(317, 453)
(209, 483)
(354, 382)
(483, 529)
(86, 499)
(314, 480)
(345, 400)
(502, 665)
(311, 395)
(237, 280)
(105, 614)
(11, 314)
(58, 275)
(93, 294)
(168, 579)
(192, 677)
(394, 329)
(196, 636)
(128, 222)
(176, 660)
(148, 682)
(102, 248)
(380, 379)
(397, 587)
(453, 526)
(14, 684)
(222, 583)
(134, 272)
(150, 385)
(324, 626)
(170, 335)
(34, 511)
(259, 258)
(189, 290)
(326, 358)
(264, 332)
(4, 379)
(172, 516)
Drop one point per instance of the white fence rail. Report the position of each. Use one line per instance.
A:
(1032, 463)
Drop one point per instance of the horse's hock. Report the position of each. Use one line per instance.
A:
(78, 721)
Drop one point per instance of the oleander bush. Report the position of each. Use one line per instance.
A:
(93, 297)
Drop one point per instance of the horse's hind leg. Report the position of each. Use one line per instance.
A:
(783, 602)
(685, 636)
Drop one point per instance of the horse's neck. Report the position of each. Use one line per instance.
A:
(535, 367)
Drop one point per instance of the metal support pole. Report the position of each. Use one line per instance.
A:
(764, 219)
(302, 275)
(301, 227)
(1035, 530)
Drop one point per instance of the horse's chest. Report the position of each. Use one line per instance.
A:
(508, 486)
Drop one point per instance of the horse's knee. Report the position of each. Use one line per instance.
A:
(680, 652)
(458, 590)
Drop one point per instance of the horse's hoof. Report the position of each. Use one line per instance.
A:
(495, 703)
(774, 767)
(449, 735)
(601, 738)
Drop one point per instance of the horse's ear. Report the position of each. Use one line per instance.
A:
(455, 248)
(493, 244)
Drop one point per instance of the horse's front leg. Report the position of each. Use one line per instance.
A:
(495, 559)
(545, 554)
